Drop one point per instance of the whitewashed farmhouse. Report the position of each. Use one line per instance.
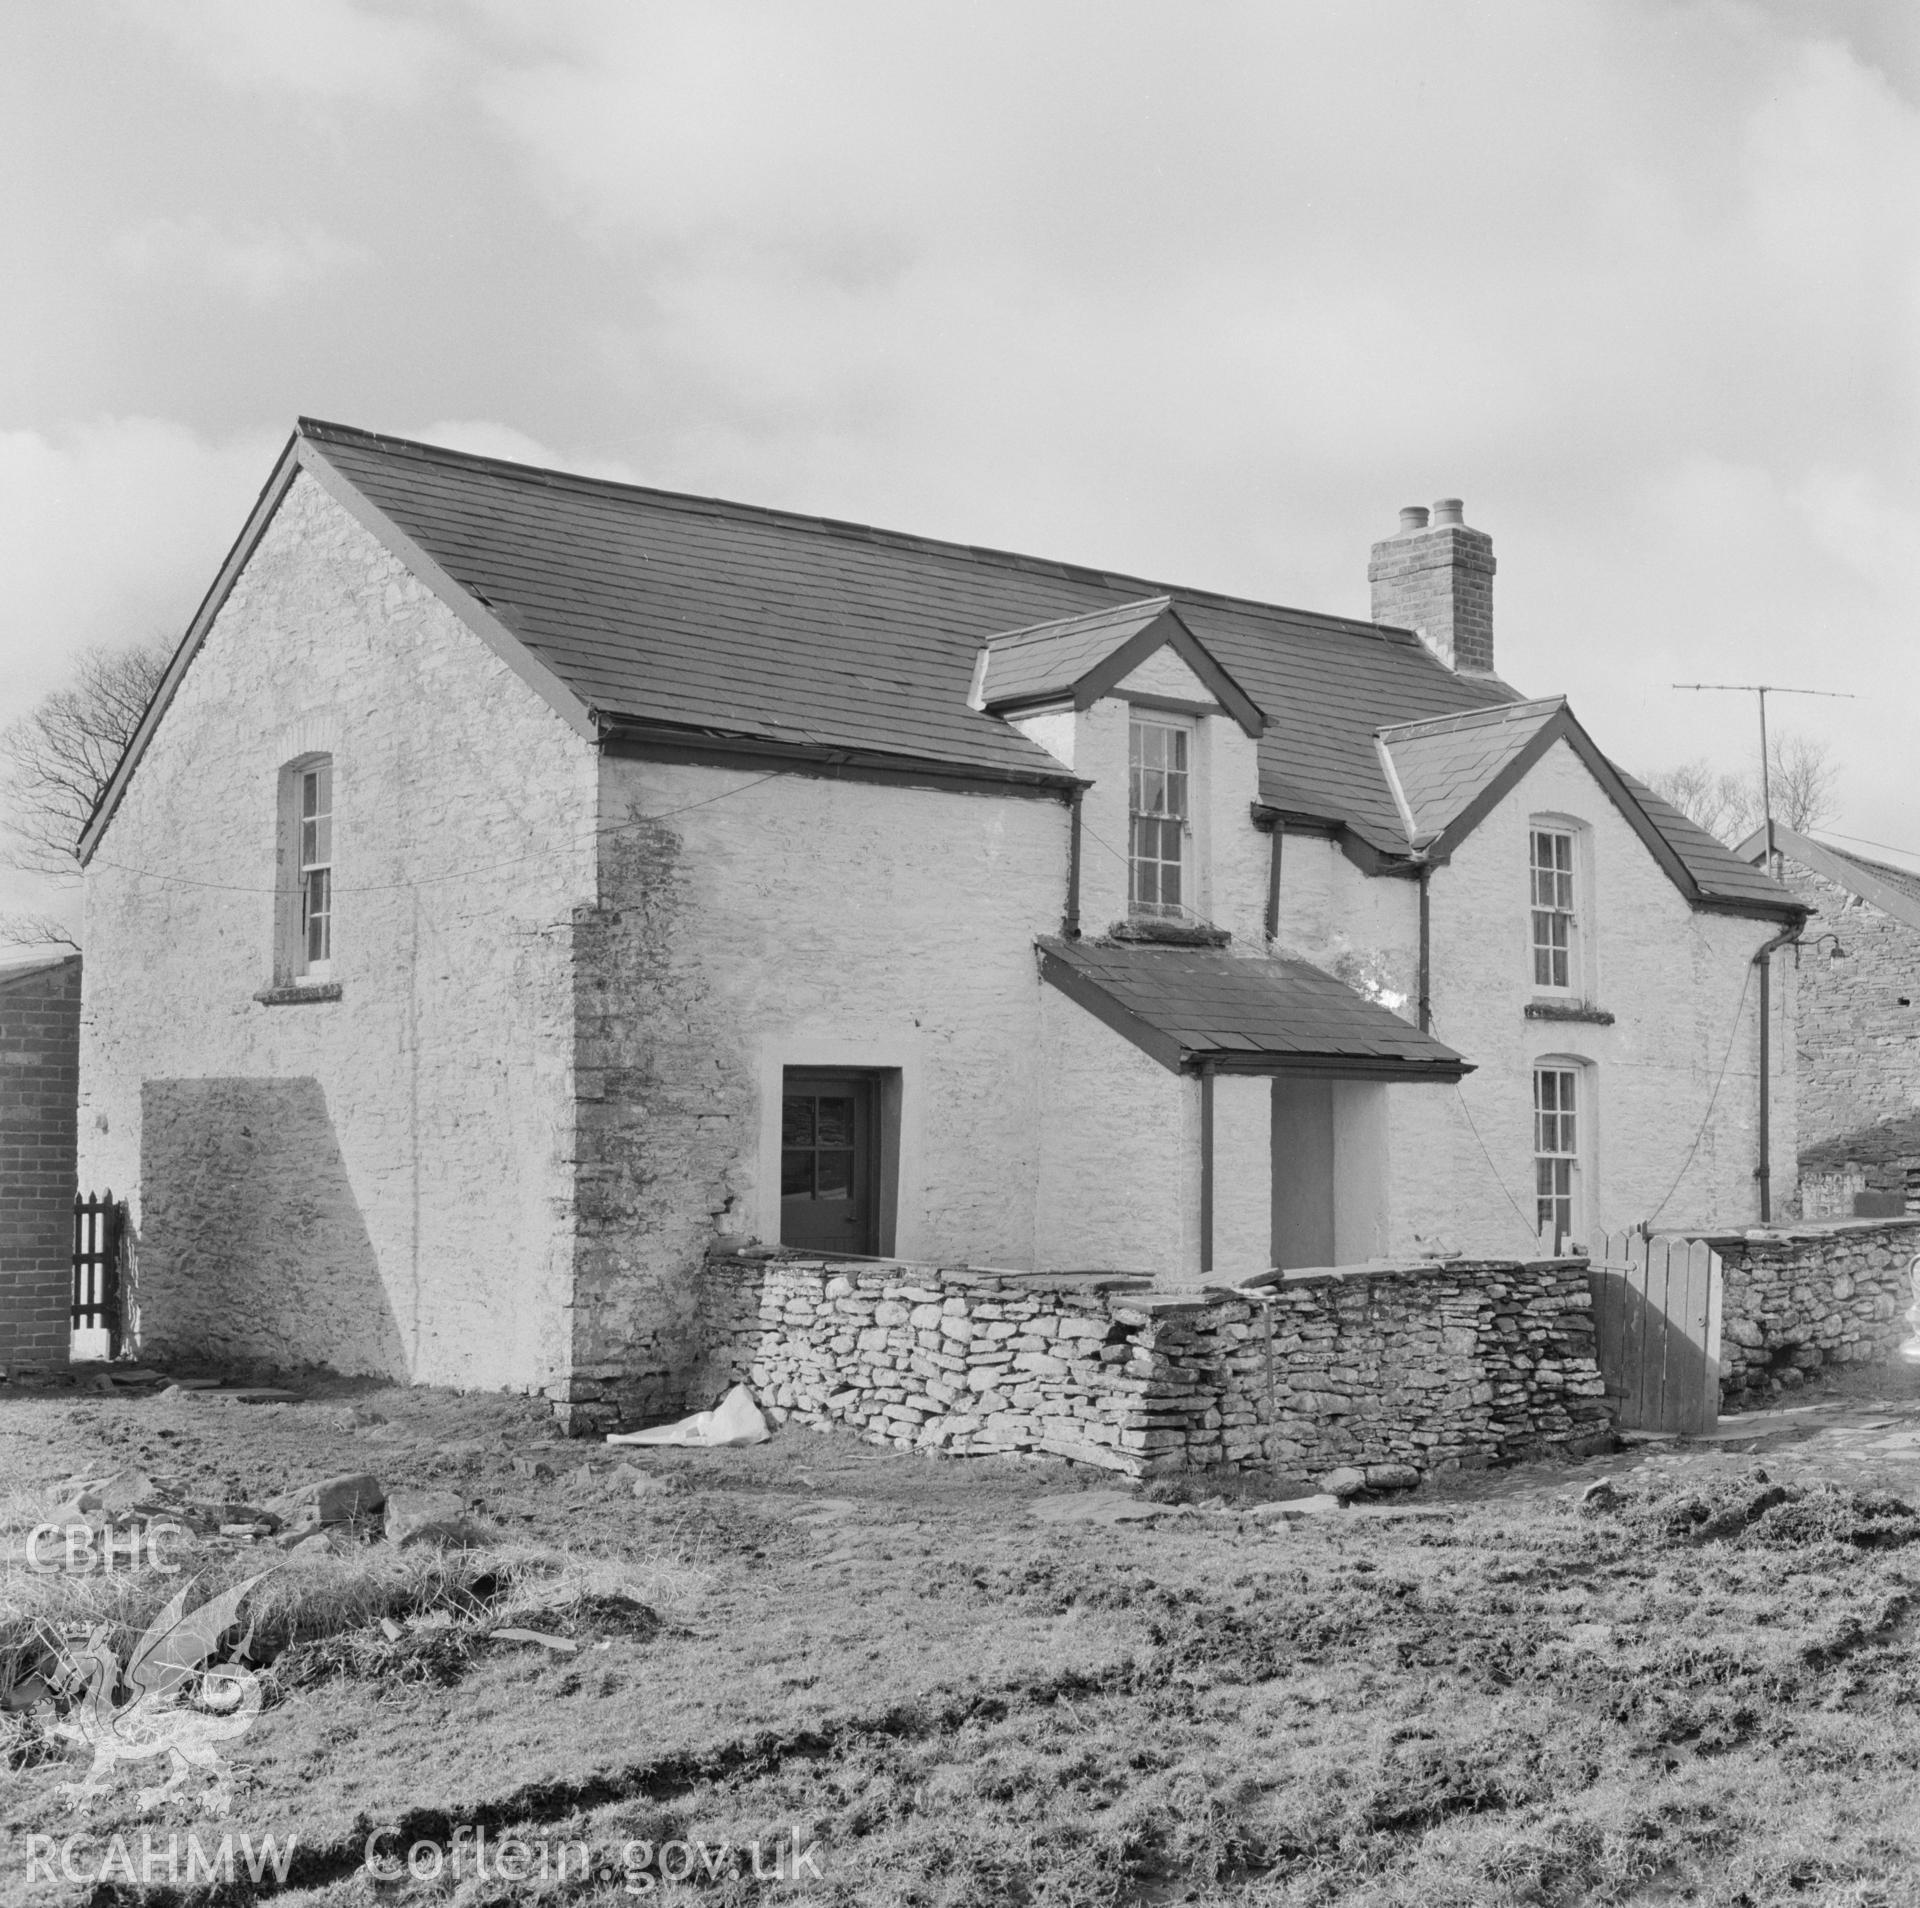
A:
(521, 879)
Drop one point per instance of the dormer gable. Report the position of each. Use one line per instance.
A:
(1140, 649)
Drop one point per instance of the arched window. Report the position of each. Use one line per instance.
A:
(306, 870)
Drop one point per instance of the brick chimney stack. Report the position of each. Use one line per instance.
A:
(1436, 579)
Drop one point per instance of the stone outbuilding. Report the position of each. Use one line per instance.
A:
(1858, 1031)
(522, 881)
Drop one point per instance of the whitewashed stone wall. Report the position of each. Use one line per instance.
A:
(762, 922)
(1434, 1368)
(382, 1183)
(1119, 1153)
(1859, 1045)
(1671, 977)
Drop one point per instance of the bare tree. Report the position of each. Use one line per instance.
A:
(56, 761)
(1801, 775)
(1704, 794)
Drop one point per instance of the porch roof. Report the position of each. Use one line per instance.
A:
(1194, 1006)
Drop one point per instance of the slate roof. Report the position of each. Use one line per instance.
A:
(753, 622)
(1720, 872)
(1029, 665)
(1894, 891)
(689, 615)
(1447, 770)
(1442, 765)
(1258, 1014)
(35, 964)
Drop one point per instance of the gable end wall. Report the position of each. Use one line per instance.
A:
(380, 1183)
(1859, 1049)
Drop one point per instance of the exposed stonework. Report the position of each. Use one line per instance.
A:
(767, 921)
(1858, 1034)
(1433, 1367)
(1799, 1299)
(39, 1086)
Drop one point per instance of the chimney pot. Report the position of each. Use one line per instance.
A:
(1435, 577)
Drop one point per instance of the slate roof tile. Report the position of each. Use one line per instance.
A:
(1028, 664)
(757, 623)
(1213, 1003)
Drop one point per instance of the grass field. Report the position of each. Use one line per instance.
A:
(1701, 1690)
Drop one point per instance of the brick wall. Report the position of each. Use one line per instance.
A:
(1432, 1367)
(1797, 1300)
(1858, 1040)
(1440, 583)
(39, 1085)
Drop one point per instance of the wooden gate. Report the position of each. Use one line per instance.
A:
(98, 1229)
(1656, 1320)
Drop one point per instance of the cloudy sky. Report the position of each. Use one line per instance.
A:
(1199, 291)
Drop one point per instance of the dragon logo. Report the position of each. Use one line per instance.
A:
(167, 1701)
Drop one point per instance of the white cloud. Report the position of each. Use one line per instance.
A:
(484, 437)
(1202, 292)
(1205, 294)
(109, 533)
(322, 49)
(261, 263)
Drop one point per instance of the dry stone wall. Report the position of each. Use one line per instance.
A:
(1795, 1300)
(1430, 1367)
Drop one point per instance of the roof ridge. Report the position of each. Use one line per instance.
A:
(1492, 712)
(1854, 855)
(1058, 625)
(321, 431)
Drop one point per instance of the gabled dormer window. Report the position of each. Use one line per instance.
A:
(1159, 774)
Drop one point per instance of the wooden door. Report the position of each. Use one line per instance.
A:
(829, 1159)
(1656, 1323)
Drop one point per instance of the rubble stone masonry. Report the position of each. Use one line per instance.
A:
(1437, 1367)
(1858, 1038)
(1798, 1299)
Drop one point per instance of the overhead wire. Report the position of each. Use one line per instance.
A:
(459, 874)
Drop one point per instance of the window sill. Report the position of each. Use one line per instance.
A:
(1568, 1010)
(291, 994)
(1168, 933)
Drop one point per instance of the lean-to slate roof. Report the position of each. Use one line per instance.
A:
(1245, 1014)
(1894, 891)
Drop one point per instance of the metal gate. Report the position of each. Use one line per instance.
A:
(1656, 1320)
